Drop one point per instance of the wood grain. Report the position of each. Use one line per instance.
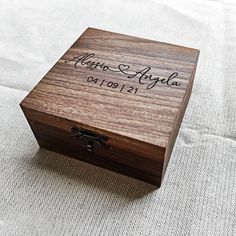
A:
(116, 85)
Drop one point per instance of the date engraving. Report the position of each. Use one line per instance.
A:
(120, 87)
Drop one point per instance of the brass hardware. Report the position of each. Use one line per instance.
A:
(91, 139)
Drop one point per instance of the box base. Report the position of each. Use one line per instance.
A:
(63, 142)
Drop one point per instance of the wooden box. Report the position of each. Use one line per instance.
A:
(115, 101)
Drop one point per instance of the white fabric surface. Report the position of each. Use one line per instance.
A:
(44, 193)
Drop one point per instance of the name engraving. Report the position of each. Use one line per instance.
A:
(143, 76)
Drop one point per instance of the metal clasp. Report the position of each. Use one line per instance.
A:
(91, 139)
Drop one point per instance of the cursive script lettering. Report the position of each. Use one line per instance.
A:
(143, 76)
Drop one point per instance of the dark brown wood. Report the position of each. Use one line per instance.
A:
(126, 96)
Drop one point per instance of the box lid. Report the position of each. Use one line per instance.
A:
(127, 86)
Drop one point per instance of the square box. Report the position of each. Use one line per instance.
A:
(115, 101)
